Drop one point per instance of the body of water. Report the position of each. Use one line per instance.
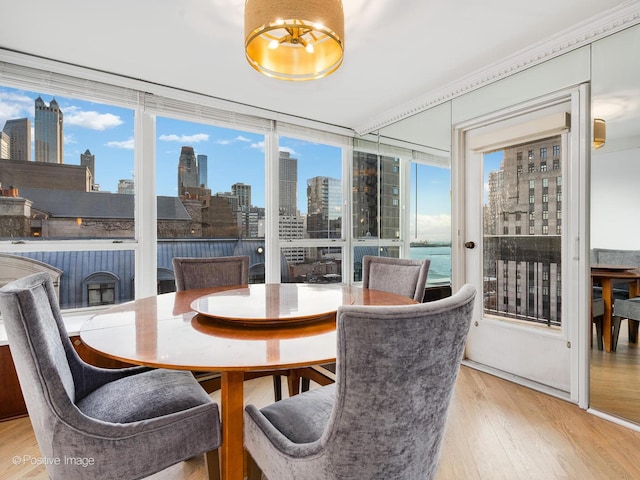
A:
(440, 267)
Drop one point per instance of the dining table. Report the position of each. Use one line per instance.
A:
(606, 275)
(232, 330)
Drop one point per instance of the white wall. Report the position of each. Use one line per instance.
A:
(615, 168)
(615, 200)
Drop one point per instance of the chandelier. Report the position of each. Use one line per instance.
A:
(294, 39)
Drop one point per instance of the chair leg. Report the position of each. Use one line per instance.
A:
(277, 388)
(306, 384)
(633, 331)
(253, 470)
(212, 464)
(598, 322)
(616, 333)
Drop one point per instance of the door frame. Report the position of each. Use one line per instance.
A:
(575, 246)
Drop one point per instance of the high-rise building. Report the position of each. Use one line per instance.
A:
(243, 192)
(376, 185)
(255, 222)
(290, 223)
(523, 232)
(19, 131)
(48, 132)
(5, 146)
(89, 161)
(288, 170)
(324, 207)
(187, 170)
(202, 170)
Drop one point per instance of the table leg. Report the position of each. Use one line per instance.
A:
(232, 411)
(607, 300)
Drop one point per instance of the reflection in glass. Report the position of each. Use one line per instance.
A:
(522, 232)
(376, 188)
(430, 220)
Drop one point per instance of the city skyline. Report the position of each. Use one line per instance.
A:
(233, 156)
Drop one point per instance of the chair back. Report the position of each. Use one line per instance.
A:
(194, 272)
(396, 371)
(41, 351)
(396, 275)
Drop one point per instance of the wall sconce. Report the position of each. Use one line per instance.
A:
(79, 221)
(599, 133)
(292, 39)
(260, 250)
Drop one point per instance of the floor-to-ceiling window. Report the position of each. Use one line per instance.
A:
(310, 211)
(104, 185)
(210, 187)
(67, 204)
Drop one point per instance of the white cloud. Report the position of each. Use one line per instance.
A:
(91, 120)
(229, 141)
(15, 105)
(198, 137)
(432, 228)
(258, 146)
(288, 149)
(125, 144)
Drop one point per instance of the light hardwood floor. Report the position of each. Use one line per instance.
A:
(496, 430)
(615, 379)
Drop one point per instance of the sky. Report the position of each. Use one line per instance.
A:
(233, 156)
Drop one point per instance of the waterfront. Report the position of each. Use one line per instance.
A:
(440, 267)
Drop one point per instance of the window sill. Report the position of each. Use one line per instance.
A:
(72, 322)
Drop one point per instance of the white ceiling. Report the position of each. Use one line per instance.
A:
(396, 50)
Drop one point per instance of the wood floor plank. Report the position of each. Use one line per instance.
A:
(495, 430)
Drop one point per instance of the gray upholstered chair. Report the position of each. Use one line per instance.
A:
(360, 427)
(597, 314)
(396, 275)
(195, 272)
(629, 309)
(119, 424)
(202, 272)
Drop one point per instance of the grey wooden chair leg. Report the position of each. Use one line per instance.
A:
(633, 331)
(277, 387)
(616, 333)
(306, 384)
(598, 322)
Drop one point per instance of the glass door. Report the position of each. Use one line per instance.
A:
(516, 246)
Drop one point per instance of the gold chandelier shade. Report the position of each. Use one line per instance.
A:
(599, 133)
(294, 39)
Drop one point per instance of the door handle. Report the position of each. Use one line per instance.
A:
(470, 245)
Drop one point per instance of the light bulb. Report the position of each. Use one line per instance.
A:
(273, 44)
(309, 48)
